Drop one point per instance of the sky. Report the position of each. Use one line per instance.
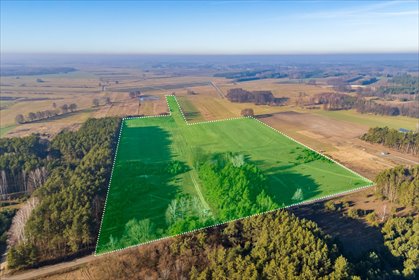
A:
(209, 27)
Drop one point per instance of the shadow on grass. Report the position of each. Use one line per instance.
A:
(289, 187)
(143, 185)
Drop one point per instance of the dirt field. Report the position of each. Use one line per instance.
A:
(338, 139)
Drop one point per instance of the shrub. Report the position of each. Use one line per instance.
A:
(372, 219)
(248, 112)
(330, 206)
(353, 213)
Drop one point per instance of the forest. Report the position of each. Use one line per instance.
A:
(401, 84)
(257, 97)
(406, 142)
(276, 245)
(400, 184)
(256, 248)
(339, 101)
(370, 106)
(62, 216)
(251, 75)
(23, 164)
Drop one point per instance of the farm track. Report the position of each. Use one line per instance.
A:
(198, 191)
(220, 93)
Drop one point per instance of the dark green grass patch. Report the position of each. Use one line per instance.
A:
(157, 190)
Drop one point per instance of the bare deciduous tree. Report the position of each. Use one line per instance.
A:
(17, 230)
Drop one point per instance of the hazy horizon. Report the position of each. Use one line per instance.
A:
(9, 59)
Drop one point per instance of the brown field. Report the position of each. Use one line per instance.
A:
(81, 88)
(339, 140)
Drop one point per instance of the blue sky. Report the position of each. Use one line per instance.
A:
(209, 27)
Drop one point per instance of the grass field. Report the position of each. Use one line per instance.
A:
(4, 130)
(371, 120)
(137, 191)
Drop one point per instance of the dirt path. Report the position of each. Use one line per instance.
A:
(51, 269)
(198, 191)
(220, 93)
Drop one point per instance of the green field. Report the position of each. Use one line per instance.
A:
(4, 130)
(145, 179)
(371, 120)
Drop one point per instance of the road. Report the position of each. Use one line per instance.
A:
(402, 158)
(217, 89)
(50, 269)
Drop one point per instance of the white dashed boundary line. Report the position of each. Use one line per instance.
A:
(114, 161)
(204, 122)
(234, 220)
(110, 181)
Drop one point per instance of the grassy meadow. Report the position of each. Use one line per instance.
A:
(142, 188)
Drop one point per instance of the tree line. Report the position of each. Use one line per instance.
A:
(67, 217)
(339, 101)
(401, 84)
(399, 184)
(263, 97)
(370, 106)
(46, 114)
(406, 142)
(333, 101)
